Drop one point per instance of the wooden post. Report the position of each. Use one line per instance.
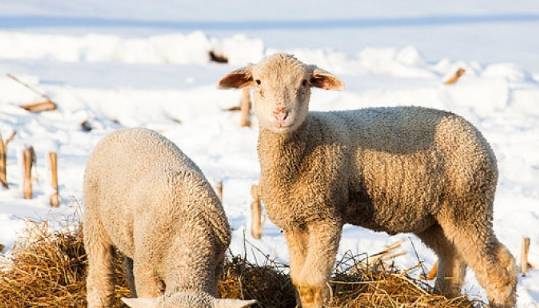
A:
(524, 264)
(2, 247)
(256, 213)
(3, 163)
(219, 189)
(245, 108)
(27, 159)
(53, 162)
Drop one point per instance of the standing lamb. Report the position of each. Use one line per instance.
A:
(402, 169)
(145, 197)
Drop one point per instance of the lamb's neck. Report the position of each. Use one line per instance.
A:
(281, 154)
(188, 272)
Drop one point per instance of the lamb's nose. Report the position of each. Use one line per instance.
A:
(280, 114)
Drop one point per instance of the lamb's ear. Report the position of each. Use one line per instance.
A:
(232, 303)
(141, 302)
(324, 79)
(236, 79)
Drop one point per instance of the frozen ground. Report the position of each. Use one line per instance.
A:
(120, 66)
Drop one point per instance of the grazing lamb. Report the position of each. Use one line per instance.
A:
(145, 197)
(402, 169)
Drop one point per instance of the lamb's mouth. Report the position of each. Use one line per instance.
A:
(288, 123)
(283, 127)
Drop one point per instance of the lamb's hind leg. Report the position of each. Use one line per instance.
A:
(451, 266)
(99, 282)
(493, 264)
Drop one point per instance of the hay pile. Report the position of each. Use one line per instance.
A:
(50, 272)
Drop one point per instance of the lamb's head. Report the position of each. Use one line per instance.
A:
(186, 300)
(282, 89)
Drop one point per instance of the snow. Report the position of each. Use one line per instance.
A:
(147, 65)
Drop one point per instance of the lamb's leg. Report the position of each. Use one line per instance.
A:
(296, 239)
(493, 264)
(147, 282)
(128, 268)
(322, 249)
(99, 282)
(219, 268)
(451, 268)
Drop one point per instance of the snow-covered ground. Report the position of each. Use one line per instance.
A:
(123, 66)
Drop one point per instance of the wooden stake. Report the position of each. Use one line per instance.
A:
(46, 105)
(53, 162)
(3, 163)
(459, 73)
(219, 189)
(524, 264)
(2, 247)
(27, 159)
(256, 213)
(245, 108)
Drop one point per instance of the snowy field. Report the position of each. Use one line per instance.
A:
(118, 65)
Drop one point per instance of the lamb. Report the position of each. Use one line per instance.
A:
(400, 169)
(145, 197)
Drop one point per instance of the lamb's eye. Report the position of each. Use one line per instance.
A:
(304, 82)
(258, 82)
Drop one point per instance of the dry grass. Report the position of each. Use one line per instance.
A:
(356, 283)
(50, 272)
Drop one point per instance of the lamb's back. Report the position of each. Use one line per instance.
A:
(139, 174)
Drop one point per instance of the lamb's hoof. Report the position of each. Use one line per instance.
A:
(311, 297)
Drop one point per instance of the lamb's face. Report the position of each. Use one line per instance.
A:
(186, 300)
(281, 89)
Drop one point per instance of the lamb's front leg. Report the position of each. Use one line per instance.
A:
(323, 243)
(296, 239)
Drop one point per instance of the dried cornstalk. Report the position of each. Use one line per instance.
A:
(217, 57)
(232, 109)
(53, 162)
(219, 189)
(27, 160)
(29, 87)
(46, 105)
(245, 108)
(433, 272)
(459, 73)
(524, 263)
(3, 163)
(256, 213)
(9, 139)
(387, 254)
(86, 126)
